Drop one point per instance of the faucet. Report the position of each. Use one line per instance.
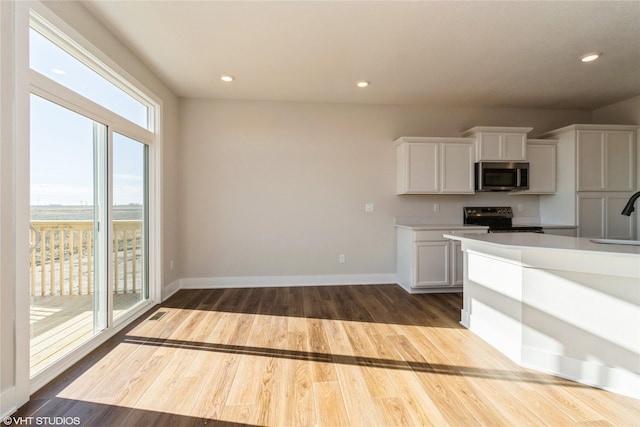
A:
(629, 206)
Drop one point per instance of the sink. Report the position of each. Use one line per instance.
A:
(617, 242)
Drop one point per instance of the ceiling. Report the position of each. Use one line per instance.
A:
(444, 53)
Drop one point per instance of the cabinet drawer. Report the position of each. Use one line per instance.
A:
(430, 235)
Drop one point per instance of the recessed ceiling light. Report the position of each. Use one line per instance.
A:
(590, 56)
(227, 78)
(58, 71)
(362, 83)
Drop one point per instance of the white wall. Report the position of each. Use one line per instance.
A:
(278, 189)
(626, 112)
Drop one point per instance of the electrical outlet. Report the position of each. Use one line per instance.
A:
(171, 265)
(436, 207)
(368, 207)
(519, 207)
(342, 258)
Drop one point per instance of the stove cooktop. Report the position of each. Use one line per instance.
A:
(498, 219)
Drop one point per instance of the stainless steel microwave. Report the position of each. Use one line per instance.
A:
(502, 176)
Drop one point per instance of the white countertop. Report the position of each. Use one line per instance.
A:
(551, 225)
(535, 221)
(434, 223)
(536, 241)
(440, 223)
(417, 226)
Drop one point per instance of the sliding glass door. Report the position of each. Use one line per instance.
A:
(68, 231)
(91, 135)
(130, 213)
(79, 228)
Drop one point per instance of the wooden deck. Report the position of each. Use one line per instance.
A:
(314, 356)
(60, 323)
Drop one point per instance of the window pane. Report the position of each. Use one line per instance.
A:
(129, 223)
(52, 61)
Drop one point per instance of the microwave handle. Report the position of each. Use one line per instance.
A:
(519, 177)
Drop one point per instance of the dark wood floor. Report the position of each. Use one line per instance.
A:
(314, 356)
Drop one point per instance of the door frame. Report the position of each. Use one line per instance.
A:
(24, 384)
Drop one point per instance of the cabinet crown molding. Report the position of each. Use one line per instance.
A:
(576, 127)
(432, 139)
(543, 141)
(496, 129)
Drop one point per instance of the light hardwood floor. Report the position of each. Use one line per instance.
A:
(61, 323)
(314, 356)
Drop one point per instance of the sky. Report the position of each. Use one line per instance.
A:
(62, 141)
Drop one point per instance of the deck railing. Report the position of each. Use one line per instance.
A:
(62, 259)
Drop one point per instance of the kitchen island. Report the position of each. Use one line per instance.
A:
(557, 304)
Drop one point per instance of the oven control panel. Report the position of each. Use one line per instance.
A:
(505, 211)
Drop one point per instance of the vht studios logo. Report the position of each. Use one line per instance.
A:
(41, 421)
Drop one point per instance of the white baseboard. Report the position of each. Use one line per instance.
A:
(279, 281)
(169, 290)
(592, 373)
(8, 404)
(465, 318)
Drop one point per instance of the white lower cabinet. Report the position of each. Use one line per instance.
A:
(427, 262)
(432, 261)
(599, 215)
(457, 263)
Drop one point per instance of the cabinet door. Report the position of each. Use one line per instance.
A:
(606, 160)
(489, 146)
(514, 146)
(591, 215)
(542, 168)
(590, 147)
(599, 215)
(457, 258)
(620, 165)
(422, 168)
(502, 146)
(432, 264)
(457, 168)
(618, 226)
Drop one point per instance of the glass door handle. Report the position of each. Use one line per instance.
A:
(35, 233)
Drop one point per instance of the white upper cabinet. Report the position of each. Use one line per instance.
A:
(605, 160)
(541, 155)
(418, 167)
(499, 143)
(456, 172)
(428, 165)
(596, 175)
